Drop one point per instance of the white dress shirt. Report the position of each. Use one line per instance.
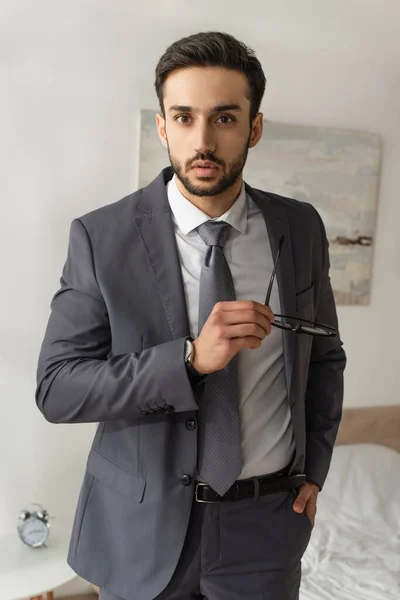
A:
(266, 428)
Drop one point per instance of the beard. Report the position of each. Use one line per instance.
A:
(229, 177)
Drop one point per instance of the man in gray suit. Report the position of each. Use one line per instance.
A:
(216, 416)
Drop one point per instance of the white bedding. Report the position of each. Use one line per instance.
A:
(354, 551)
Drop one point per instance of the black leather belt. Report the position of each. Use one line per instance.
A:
(249, 488)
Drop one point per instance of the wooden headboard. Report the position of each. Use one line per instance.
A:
(372, 425)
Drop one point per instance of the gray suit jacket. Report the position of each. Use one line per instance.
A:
(113, 354)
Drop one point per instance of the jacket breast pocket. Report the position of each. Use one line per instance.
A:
(115, 477)
(305, 297)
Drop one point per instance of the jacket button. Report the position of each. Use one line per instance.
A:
(191, 424)
(186, 480)
(169, 409)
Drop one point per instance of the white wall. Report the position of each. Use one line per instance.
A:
(72, 78)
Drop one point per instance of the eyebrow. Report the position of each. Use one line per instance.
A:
(219, 108)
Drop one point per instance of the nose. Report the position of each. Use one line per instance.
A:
(204, 139)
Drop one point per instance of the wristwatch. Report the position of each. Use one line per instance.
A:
(194, 376)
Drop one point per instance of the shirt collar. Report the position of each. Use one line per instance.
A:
(188, 216)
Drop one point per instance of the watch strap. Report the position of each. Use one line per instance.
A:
(194, 376)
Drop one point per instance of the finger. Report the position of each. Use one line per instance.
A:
(235, 317)
(237, 305)
(242, 330)
(310, 514)
(301, 500)
(240, 343)
(267, 312)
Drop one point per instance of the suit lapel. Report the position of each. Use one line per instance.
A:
(277, 225)
(156, 230)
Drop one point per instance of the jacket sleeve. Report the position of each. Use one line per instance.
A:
(324, 392)
(76, 381)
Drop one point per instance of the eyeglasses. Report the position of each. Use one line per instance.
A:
(295, 323)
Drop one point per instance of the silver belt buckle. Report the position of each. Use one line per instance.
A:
(196, 497)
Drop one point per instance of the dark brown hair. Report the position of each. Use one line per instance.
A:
(215, 49)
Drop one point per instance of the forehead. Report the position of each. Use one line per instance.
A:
(203, 87)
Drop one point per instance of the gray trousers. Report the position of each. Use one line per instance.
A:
(242, 550)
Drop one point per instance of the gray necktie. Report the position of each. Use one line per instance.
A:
(219, 460)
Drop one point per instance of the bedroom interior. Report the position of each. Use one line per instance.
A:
(78, 86)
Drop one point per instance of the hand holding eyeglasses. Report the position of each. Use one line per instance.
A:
(231, 326)
(237, 324)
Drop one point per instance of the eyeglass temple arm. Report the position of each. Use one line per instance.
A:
(271, 281)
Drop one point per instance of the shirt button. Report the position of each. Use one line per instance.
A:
(186, 480)
(191, 424)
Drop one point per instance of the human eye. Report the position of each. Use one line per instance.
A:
(182, 117)
(232, 119)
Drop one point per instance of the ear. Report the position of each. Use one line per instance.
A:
(162, 134)
(256, 130)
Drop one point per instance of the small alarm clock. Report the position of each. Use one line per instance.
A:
(33, 526)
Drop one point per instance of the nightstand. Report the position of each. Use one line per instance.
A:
(34, 572)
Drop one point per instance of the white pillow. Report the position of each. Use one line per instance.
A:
(363, 480)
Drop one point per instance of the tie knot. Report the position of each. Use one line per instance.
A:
(214, 233)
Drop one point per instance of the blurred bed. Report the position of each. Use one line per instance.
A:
(354, 551)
